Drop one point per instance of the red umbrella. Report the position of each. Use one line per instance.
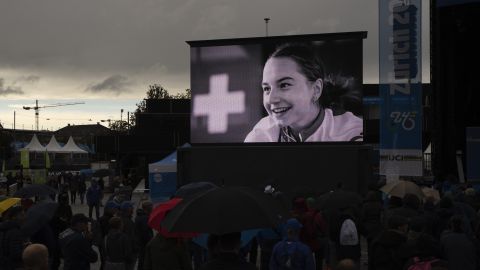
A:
(158, 214)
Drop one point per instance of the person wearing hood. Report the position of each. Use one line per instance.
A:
(118, 249)
(291, 253)
(13, 241)
(76, 246)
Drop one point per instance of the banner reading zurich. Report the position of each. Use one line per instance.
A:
(400, 87)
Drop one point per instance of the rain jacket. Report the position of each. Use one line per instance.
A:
(387, 251)
(118, 248)
(12, 245)
(293, 253)
(166, 253)
(77, 250)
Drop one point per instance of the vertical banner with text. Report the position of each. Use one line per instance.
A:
(400, 88)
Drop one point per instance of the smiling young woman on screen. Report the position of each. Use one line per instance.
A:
(303, 105)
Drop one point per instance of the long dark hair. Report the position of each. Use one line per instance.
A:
(340, 92)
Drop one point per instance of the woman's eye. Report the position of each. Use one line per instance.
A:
(266, 89)
(284, 85)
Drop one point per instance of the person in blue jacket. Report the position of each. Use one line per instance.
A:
(290, 253)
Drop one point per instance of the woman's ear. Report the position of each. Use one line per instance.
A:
(317, 89)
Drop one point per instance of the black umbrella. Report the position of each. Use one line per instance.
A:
(38, 216)
(192, 189)
(101, 173)
(339, 199)
(225, 209)
(34, 190)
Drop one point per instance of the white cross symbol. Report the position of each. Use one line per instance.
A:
(218, 103)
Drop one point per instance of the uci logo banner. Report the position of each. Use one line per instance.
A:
(400, 87)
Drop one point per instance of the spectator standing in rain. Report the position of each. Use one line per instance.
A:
(118, 249)
(126, 214)
(12, 239)
(73, 188)
(76, 246)
(143, 232)
(109, 211)
(94, 197)
(458, 249)
(35, 257)
(82, 188)
(225, 250)
(291, 253)
(386, 248)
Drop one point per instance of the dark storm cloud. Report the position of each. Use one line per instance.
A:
(6, 90)
(116, 84)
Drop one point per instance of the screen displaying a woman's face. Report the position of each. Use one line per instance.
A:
(287, 94)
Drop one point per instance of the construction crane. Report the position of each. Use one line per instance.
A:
(36, 108)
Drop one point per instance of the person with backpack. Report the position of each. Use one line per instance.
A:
(290, 253)
(12, 240)
(348, 239)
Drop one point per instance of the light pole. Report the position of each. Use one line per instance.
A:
(266, 26)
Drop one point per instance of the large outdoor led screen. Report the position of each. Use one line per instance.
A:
(277, 89)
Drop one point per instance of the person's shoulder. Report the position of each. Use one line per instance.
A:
(343, 127)
(264, 131)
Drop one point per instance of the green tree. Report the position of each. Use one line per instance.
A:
(157, 91)
(118, 125)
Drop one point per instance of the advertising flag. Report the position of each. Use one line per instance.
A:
(400, 88)
(25, 158)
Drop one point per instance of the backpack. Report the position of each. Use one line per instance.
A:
(419, 264)
(348, 233)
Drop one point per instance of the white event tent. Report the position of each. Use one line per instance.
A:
(72, 147)
(53, 146)
(34, 145)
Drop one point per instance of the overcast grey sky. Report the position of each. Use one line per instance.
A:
(98, 49)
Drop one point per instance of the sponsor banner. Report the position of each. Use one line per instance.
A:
(25, 158)
(400, 87)
(401, 162)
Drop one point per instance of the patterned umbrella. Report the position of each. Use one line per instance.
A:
(401, 188)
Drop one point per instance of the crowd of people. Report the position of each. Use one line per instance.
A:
(399, 233)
